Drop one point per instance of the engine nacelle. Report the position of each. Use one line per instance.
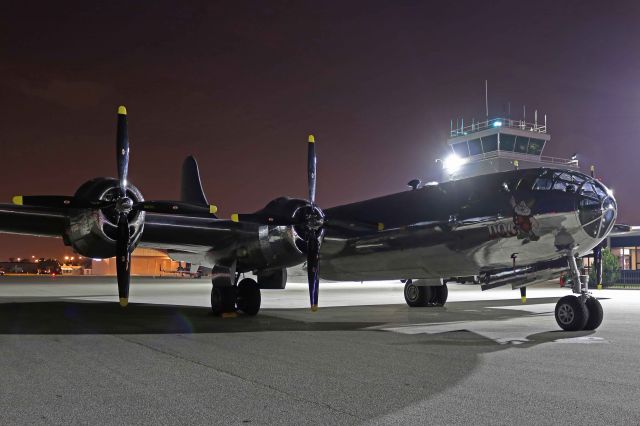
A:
(92, 232)
(275, 247)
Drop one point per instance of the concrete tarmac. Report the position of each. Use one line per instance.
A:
(70, 355)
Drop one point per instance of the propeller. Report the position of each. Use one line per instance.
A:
(310, 218)
(314, 226)
(123, 206)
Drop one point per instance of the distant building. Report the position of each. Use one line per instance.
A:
(624, 243)
(144, 261)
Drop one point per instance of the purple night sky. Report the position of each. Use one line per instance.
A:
(241, 84)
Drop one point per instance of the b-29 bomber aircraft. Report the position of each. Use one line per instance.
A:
(509, 228)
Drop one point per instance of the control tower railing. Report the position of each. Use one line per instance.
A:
(543, 160)
(477, 126)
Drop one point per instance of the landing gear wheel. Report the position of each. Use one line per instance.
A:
(223, 299)
(595, 313)
(415, 295)
(439, 295)
(249, 298)
(571, 313)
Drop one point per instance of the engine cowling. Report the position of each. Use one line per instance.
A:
(92, 232)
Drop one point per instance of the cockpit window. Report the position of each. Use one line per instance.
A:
(542, 184)
(599, 190)
(560, 185)
(609, 207)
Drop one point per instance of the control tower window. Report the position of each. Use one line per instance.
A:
(475, 147)
(507, 142)
(535, 146)
(521, 144)
(461, 149)
(490, 143)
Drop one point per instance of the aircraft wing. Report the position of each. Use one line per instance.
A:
(38, 221)
(161, 231)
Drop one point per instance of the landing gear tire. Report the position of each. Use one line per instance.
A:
(223, 299)
(595, 313)
(571, 313)
(249, 297)
(439, 295)
(415, 295)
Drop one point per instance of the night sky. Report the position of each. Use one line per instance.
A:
(241, 84)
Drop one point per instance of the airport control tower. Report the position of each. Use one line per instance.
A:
(496, 145)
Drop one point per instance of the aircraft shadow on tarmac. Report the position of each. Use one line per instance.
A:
(88, 317)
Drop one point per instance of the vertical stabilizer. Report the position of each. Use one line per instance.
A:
(191, 186)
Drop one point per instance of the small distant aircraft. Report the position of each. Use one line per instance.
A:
(510, 228)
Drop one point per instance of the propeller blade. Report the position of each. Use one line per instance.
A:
(122, 149)
(59, 201)
(176, 207)
(123, 259)
(53, 201)
(523, 294)
(314, 241)
(311, 169)
(262, 219)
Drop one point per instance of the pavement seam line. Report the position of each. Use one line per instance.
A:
(228, 373)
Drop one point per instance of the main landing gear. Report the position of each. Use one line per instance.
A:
(581, 311)
(229, 296)
(418, 295)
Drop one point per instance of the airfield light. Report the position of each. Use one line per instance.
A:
(452, 163)
(497, 124)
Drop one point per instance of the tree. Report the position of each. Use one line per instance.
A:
(610, 270)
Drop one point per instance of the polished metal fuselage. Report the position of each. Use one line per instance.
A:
(458, 228)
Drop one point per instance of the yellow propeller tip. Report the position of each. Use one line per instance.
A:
(524, 299)
(213, 209)
(312, 139)
(380, 226)
(124, 301)
(314, 308)
(122, 110)
(235, 218)
(17, 200)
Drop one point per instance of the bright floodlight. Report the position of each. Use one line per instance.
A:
(453, 163)
(497, 123)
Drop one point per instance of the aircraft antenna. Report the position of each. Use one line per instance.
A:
(486, 97)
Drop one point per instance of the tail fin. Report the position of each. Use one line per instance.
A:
(191, 186)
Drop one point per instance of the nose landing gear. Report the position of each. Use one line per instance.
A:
(581, 311)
